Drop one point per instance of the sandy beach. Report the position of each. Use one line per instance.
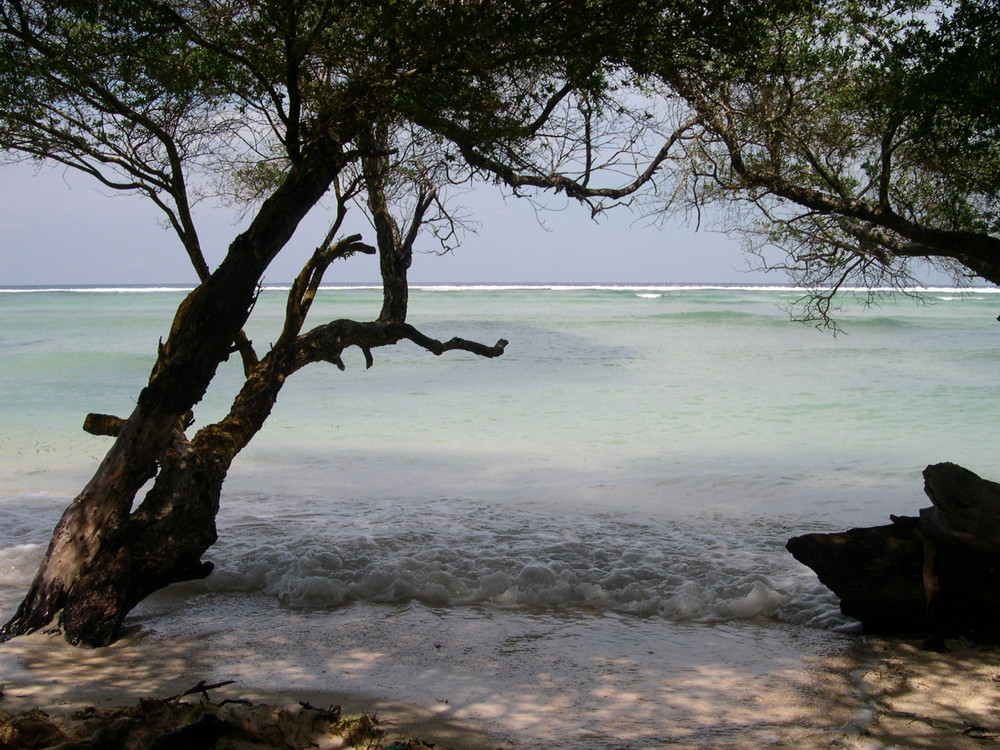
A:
(927, 699)
(42, 671)
(918, 699)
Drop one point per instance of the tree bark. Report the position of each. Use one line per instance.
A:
(160, 543)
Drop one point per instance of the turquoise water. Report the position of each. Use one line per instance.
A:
(639, 453)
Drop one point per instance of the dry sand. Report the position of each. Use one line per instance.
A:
(920, 699)
(925, 699)
(43, 671)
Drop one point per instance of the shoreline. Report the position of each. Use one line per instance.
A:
(916, 699)
(43, 672)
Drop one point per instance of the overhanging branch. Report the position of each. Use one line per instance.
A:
(327, 343)
(574, 188)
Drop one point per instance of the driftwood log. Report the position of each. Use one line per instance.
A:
(934, 575)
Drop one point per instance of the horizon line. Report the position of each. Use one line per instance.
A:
(496, 286)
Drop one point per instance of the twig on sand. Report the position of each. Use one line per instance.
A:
(201, 687)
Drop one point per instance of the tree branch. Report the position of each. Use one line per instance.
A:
(306, 284)
(106, 425)
(575, 188)
(327, 343)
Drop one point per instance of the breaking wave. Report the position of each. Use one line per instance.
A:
(454, 554)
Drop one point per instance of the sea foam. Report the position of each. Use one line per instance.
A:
(457, 553)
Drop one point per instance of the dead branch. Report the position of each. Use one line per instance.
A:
(327, 343)
(106, 425)
(437, 347)
(201, 687)
(306, 284)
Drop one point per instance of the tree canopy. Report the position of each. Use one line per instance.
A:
(862, 139)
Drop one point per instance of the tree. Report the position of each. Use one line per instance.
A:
(298, 98)
(279, 104)
(867, 135)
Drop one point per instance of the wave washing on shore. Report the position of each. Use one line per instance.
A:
(579, 544)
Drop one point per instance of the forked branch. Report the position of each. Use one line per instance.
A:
(306, 284)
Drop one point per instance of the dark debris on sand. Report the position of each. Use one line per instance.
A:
(177, 723)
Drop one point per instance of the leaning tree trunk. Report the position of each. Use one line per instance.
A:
(160, 543)
(103, 559)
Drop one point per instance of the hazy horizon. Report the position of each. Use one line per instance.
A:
(61, 230)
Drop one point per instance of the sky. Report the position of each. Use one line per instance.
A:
(58, 227)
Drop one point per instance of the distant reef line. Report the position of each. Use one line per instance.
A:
(496, 287)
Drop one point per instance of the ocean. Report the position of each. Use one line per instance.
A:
(579, 544)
